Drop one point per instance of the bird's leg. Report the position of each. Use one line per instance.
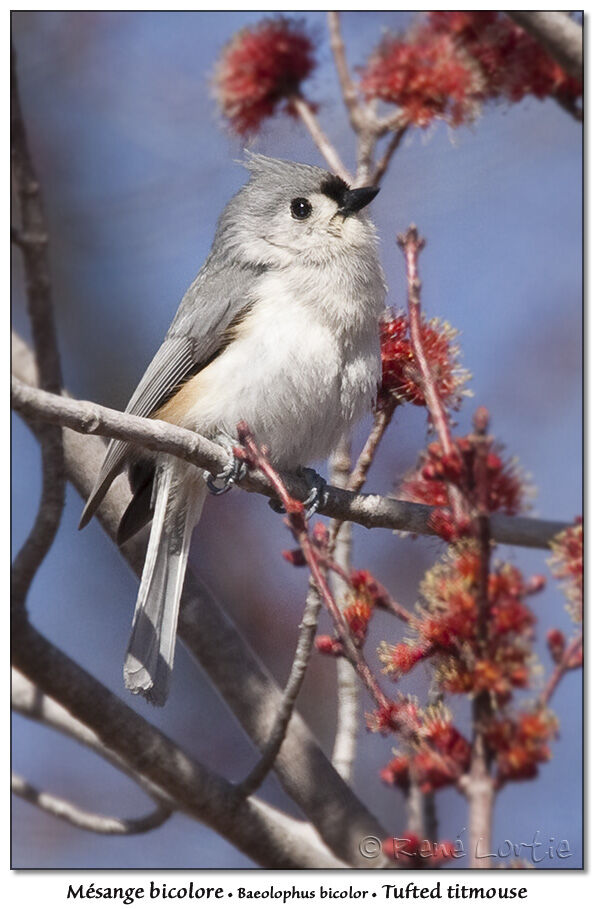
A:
(316, 497)
(219, 483)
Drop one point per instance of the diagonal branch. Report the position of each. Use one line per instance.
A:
(367, 510)
(348, 88)
(268, 836)
(87, 820)
(210, 637)
(303, 651)
(560, 35)
(32, 703)
(319, 137)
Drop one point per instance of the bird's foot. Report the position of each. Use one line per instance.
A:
(316, 497)
(222, 482)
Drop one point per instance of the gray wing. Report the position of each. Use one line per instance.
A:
(198, 333)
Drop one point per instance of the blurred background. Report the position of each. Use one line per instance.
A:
(135, 166)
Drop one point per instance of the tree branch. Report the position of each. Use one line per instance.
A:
(210, 637)
(32, 703)
(33, 237)
(303, 652)
(560, 35)
(268, 836)
(339, 548)
(319, 137)
(348, 89)
(367, 510)
(87, 820)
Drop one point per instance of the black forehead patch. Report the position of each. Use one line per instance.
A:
(335, 188)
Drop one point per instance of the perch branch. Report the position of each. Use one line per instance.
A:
(303, 770)
(367, 510)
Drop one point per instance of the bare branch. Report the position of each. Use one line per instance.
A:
(389, 151)
(560, 35)
(348, 717)
(303, 652)
(87, 820)
(348, 89)
(33, 243)
(31, 702)
(267, 835)
(367, 510)
(321, 140)
(572, 658)
(340, 546)
(213, 640)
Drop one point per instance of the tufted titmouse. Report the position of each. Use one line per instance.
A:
(280, 329)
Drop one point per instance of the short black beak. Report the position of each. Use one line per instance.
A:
(355, 199)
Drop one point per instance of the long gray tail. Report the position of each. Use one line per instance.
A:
(178, 497)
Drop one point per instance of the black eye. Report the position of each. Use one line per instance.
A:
(301, 209)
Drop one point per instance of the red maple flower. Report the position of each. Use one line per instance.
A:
(427, 483)
(425, 75)
(401, 378)
(260, 67)
(512, 63)
(520, 742)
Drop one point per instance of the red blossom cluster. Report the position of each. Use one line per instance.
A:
(452, 61)
(447, 628)
(429, 482)
(438, 759)
(411, 851)
(426, 76)
(520, 743)
(512, 63)
(566, 563)
(364, 597)
(401, 378)
(260, 67)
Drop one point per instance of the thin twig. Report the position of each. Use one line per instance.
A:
(389, 151)
(570, 660)
(33, 243)
(412, 244)
(298, 525)
(303, 651)
(359, 474)
(348, 90)
(367, 510)
(321, 140)
(87, 820)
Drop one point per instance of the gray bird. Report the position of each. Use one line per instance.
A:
(280, 329)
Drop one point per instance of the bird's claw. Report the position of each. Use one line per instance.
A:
(316, 498)
(233, 474)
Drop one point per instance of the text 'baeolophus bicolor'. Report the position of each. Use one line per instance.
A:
(279, 329)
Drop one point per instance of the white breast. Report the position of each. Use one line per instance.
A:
(291, 375)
